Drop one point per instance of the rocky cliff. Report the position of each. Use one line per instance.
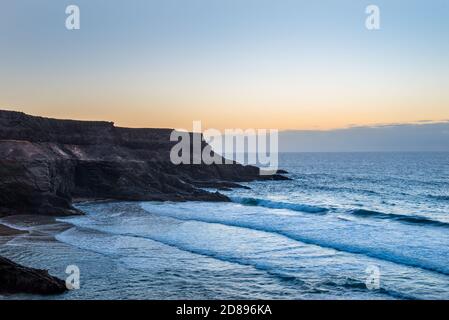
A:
(15, 278)
(46, 163)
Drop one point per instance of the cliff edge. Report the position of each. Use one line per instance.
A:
(46, 163)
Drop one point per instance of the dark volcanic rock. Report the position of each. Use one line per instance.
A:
(45, 163)
(15, 278)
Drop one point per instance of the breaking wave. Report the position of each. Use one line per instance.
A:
(279, 205)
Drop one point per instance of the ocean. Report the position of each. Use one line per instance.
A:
(317, 236)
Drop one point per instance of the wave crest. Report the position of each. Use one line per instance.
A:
(279, 205)
(438, 197)
(398, 217)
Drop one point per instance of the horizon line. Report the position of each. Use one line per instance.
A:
(348, 127)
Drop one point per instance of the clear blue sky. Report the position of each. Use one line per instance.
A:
(284, 64)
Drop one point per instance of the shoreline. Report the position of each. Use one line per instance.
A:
(7, 231)
(16, 278)
(30, 226)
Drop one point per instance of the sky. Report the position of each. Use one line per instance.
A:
(282, 64)
(421, 137)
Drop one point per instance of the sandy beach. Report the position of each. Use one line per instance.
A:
(7, 231)
(30, 226)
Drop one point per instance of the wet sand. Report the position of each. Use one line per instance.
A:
(30, 226)
(8, 231)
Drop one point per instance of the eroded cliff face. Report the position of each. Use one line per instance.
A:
(46, 163)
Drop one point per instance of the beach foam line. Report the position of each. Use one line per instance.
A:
(279, 205)
(70, 237)
(398, 217)
(377, 253)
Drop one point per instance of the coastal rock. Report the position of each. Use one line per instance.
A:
(15, 278)
(45, 164)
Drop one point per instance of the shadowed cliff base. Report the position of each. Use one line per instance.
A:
(45, 163)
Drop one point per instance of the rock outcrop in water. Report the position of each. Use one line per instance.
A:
(46, 163)
(15, 278)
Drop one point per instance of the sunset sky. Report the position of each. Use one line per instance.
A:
(285, 64)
